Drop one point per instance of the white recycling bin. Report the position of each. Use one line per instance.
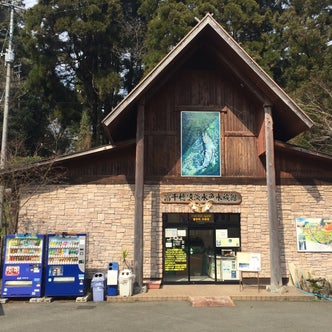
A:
(126, 282)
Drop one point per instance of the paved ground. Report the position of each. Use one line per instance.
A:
(169, 309)
(59, 315)
(182, 292)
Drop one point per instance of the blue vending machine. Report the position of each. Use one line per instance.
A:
(23, 265)
(65, 265)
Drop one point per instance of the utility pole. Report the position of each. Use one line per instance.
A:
(9, 60)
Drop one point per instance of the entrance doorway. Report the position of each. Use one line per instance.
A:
(200, 248)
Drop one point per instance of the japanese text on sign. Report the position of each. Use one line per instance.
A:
(175, 260)
(220, 197)
(202, 217)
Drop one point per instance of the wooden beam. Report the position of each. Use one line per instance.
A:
(276, 280)
(244, 81)
(214, 108)
(260, 117)
(139, 196)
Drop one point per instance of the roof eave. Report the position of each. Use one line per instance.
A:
(256, 71)
(158, 69)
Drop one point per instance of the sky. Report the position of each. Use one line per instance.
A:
(29, 3)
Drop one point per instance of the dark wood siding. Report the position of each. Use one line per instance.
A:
(241, 157)
(292, 168)
(116, 166)
(197, 86)
(201, 90)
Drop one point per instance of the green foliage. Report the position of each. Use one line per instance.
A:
(84, 55)
(307, 67)
(75, 49)
(248, 21)
(84, 136)
(306, 31)
(291, 40)
(124, 258)
(168, 24)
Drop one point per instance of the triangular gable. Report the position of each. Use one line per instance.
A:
(290, 116)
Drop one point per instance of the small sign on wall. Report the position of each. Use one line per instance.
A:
(228, 242)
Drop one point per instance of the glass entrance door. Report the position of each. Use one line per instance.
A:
(200, 248)
(176, 255)
(201, 255)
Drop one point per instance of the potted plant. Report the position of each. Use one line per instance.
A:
(126, 277)
(124, 256)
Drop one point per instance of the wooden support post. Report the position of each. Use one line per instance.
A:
(139, 197)
(276, 280)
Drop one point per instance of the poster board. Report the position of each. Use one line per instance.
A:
(248, 261)
(314, 234)
(200, 144)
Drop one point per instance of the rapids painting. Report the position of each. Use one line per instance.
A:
(200, 144)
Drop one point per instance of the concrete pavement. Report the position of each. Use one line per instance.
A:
(169, 309)
(164, 316)
(183, 292)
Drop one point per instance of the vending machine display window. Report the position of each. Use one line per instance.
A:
(65, 265)
(23, 265)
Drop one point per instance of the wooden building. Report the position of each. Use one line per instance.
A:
(198, 171)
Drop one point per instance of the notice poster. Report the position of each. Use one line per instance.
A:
(175, 259)
(221, 234)
(171, 232)
(175, 254)
(230, 242)
(314, 234)
(248, 261)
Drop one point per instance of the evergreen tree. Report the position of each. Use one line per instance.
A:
(307, 66)
(306, 32)
(84, 135)
(19, 128)
(167, 23)
(249, 22)
(133, 45)
(290, 39)
(75, 50)
(87, 54)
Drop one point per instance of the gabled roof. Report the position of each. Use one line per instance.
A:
(289, 119)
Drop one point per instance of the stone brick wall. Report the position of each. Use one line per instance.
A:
(254, 226)
(304, 201)
(106, 214)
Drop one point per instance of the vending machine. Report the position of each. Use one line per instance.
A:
(23, 265)
(65, 265)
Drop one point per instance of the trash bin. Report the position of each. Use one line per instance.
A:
(112, 279)
(98, 287)
(126, 281)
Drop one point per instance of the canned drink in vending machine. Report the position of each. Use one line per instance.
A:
(23, 265)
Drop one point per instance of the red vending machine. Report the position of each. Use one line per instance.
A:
(65, 265)
(23, 265)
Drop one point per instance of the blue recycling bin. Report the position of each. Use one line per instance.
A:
(112, 279)
(98, 287)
